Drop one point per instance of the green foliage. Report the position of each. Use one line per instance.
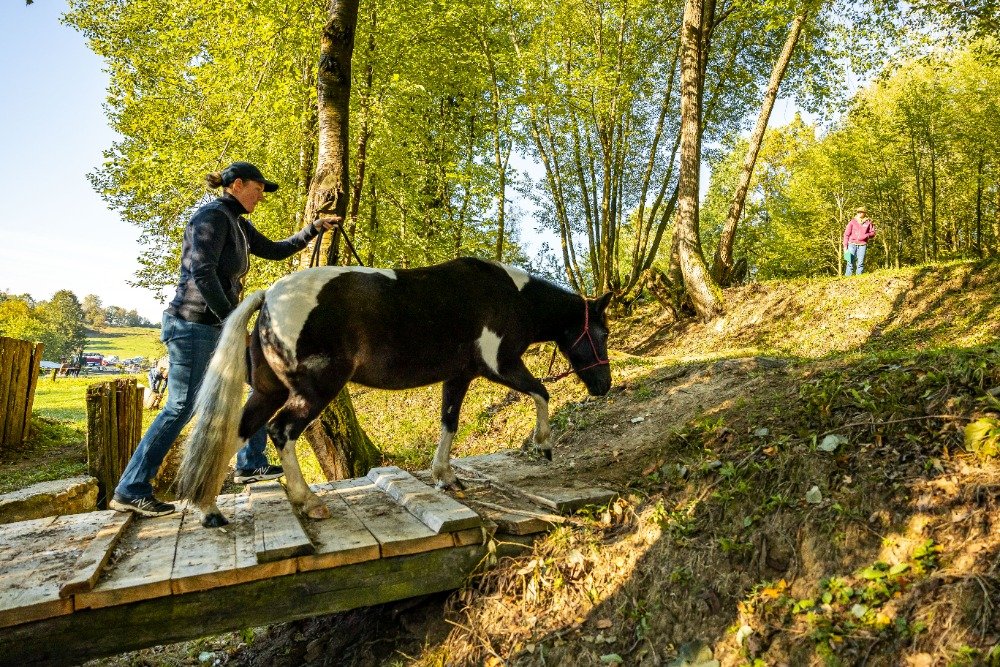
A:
(57, 323)
(211, 84)
(918, 148)
(855, 606)
(983, 436)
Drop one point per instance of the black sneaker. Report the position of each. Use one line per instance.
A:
(258, 475)
(144, 506)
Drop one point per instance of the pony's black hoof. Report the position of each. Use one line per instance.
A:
(547, 453)
(451, 486)
(214, 521)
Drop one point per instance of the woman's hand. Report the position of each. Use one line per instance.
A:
(326, 222)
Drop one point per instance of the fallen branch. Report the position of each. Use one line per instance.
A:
(550, 518)
(895, 421)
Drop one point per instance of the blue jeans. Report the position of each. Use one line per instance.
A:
(857, 251)
(190, 347)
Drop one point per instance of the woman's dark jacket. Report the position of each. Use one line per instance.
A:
(214, 259)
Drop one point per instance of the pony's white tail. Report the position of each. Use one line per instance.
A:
(218, 407)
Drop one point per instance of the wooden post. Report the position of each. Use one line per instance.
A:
(114, 427)
(19, 367)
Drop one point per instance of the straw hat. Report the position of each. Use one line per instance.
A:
(862, 209)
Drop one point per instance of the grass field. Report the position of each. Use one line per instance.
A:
(57, 447)
(126, 342)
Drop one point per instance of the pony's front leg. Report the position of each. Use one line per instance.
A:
(519, 378)
(452, 394)
(540, 437)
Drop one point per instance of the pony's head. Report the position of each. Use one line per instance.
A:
(586, 346)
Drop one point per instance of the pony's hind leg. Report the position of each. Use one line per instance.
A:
(305, 402)
(452, 394)
(256, 412)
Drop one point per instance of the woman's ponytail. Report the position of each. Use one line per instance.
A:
(214, 179)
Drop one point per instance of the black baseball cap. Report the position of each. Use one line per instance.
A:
(248, 172)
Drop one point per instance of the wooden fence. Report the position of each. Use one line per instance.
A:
(19, 364)
(114, 427)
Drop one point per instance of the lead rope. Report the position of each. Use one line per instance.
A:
(314, 260)
(593, 347)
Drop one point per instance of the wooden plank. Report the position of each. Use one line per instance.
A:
(398, 532)
(468, 536)
(205, 557)
(92, 633)
(242, 528)
(277, 531)
(88, 566)
(536, 481)
(343, 538)
(140, 567)
(512, 513)
(439, 511)
(36, 562)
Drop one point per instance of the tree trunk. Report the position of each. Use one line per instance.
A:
(722, 267)
(705, 294)
(978, 247)
(341, 445)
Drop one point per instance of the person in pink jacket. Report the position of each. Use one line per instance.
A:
(859, 230)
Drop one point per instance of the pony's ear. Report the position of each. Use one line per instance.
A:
(603, 301)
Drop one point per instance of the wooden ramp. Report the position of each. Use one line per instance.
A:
(87, 585)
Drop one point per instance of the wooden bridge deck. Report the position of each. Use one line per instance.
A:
(81, 586)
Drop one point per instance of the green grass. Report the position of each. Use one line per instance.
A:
(126, 342)
(65, 399)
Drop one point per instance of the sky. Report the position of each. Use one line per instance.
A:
(55, 231)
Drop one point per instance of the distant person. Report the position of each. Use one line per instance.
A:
(856, 236)
(214, 258)
(157, 376)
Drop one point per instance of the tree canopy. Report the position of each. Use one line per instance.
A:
(445, 94)
(918, 148)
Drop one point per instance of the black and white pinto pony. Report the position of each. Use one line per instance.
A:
(322, 327)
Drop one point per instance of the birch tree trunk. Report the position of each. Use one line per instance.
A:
(341, 445)
(722, 266)
(706, 297)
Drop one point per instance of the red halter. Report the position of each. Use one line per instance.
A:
(593, 347)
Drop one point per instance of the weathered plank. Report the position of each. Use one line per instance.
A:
(244, 534)
(34, 565)
(205, 557)
(398, 532)
(468, 536)
(511, 518)
(512, 513)
(88, 566)
(91, 633)
(440, 512)
(277, 531)
(140, 568)
(533, 480)
(343, 538)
